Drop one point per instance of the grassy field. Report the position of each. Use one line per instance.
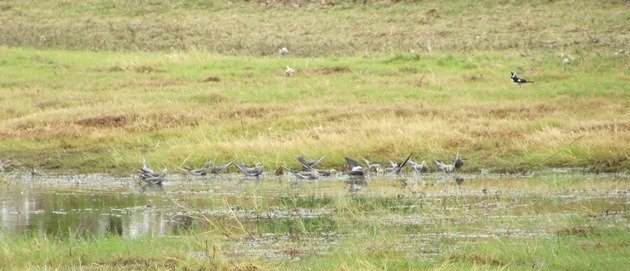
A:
(93, 86)
(101, 111)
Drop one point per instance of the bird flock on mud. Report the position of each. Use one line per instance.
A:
(310, 170)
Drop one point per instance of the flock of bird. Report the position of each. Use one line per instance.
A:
(309, 169)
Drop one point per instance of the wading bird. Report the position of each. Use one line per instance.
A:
(147, 173)
(446, 168)
(373, 167)
(304, 175)
(419, 167)
(203, 171)
(221, 169)
(396, 167)
(459, 180)
(355, 168)
(250, 171)
(308, 165)
(153, 178)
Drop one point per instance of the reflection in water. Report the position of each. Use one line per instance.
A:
(86, 214)
(81, 214)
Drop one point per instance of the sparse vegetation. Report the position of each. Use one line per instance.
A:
(548, 222)
(93, 86)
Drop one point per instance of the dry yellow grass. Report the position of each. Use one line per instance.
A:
(103, 111)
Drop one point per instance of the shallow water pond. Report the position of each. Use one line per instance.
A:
(279, 211)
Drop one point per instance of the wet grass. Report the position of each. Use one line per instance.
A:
(547, 222)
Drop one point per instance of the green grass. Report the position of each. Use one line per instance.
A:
(601, 249)
(547, 223)
(311, 29)
(92, 86)
(100, 112)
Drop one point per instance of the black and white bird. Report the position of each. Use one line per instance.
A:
(519, 81)
(254, 171)
(355, 168)
(396, 167)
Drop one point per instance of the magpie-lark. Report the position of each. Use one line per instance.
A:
(519, 81)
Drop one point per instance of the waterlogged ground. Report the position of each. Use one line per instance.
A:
(282, 218)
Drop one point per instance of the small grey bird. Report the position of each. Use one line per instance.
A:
(459, 180)
(458, 162)
(250, 171)
(220, 169)
(283, 51)
(565, 58)
(154, 178)
(146, 172)
(396, 167)
(145, 167)
(304, 175)
(199, 171)
(321, 172)
(326, 172)
(419, 167)
(307, 165)
(355, 168)
(289, 71)
(444, 167)
(373, 167)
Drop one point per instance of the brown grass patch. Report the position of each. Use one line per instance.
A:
(211, 79)
(252, 112)
(520, 111)
(104, 121)
(331, 70)
(162, 120)
(209, 98)
(611, 126)
(165, 262)
(478, 259)
(133, 68)
(406, 112)
(576, 231)
(146, 69)
(148, 83)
